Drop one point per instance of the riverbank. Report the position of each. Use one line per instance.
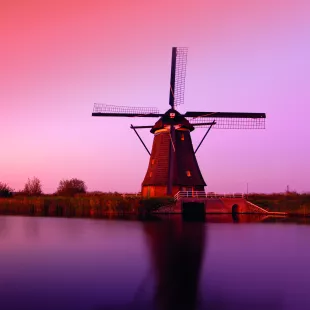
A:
(85, 205)
(102, 204)
(292, 203)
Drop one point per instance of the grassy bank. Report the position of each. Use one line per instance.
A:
(102, 204)
(84, 205)
(291, 202)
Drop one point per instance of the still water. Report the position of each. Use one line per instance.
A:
(89, 264)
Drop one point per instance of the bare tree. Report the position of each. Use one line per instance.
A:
(5, 190)
(71, 187)
(33, 187)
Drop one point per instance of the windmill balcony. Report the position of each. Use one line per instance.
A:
(189, 194)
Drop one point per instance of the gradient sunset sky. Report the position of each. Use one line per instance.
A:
(58, 57)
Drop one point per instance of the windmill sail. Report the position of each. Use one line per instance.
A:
(227, 120)
(101, 109)
(177, 78)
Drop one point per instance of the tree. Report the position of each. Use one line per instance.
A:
(5, 190)
(71, 187)
(33, 187)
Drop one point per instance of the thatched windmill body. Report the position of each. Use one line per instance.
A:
(173, 165)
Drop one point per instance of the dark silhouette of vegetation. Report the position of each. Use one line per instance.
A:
(71, 187)
(5, 190)
(291, 202)
(82, 205)
(33, 187)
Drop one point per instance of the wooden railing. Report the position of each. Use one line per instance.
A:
(202, 194)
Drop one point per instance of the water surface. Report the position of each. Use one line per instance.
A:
(92, 264)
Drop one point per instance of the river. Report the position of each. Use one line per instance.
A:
(161, 263)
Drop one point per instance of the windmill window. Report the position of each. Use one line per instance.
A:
(172, 115)
(150, 174)
(153, 161)
(188, 173)
(182, 136)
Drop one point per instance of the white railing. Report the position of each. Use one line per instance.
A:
(202, 194)
(189, 194)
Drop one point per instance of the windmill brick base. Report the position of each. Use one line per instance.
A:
(172, 159)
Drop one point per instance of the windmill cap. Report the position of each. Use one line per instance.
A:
(172, 117)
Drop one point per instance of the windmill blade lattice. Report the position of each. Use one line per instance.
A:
(228, 122)
(101, 109)
(180, 74)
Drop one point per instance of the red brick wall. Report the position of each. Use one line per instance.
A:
(157, 191)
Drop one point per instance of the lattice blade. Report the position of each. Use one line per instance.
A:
(225, 114)
(101, 109)
(229, 122)
(180, 73)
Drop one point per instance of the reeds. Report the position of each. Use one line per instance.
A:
(290, 202)
(102, 204)
(81, 205)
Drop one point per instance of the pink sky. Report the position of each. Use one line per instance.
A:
(59, 57)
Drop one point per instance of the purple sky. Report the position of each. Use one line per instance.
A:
(59, 57)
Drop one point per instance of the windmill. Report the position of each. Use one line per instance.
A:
(173, 165)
